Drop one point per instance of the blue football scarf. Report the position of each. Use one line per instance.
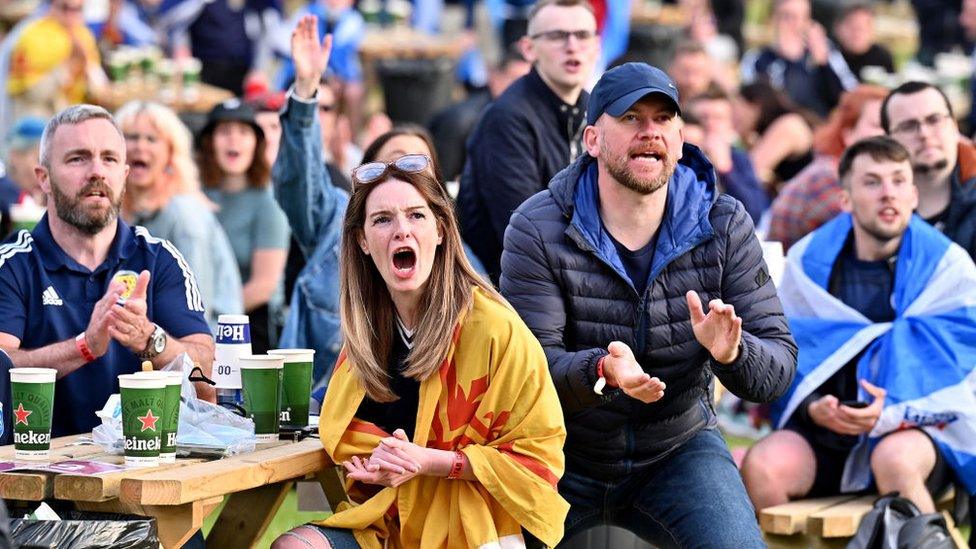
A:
(925, 358)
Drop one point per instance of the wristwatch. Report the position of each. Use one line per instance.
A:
(155, 345)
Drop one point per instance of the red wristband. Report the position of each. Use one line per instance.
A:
(82, 346)
(457, 467)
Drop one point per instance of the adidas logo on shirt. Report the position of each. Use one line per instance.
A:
(50, 297)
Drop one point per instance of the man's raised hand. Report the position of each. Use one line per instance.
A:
(719, 331)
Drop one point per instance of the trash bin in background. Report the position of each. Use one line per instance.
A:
(416, 89)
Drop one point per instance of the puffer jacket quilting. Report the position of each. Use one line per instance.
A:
(567, 284)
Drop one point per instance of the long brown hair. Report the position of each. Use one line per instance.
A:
(366, 308)
(258, 174)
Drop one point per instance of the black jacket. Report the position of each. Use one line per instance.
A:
(561, 272)
(960, 220)
(525, 137)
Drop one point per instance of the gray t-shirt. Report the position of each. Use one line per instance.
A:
(194, 230)
(253, 221)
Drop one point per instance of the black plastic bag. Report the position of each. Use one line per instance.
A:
(86, 530)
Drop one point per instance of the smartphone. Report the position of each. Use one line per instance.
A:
(854, 403)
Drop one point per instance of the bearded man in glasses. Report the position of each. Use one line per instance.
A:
(918, 115)
(533, 129)
(609, 268)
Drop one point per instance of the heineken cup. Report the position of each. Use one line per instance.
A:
(32, 390)
(261, 377)
(143, 409)
(171, 412)
(296, 386)
(233, 339)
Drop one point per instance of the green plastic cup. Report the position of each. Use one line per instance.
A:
(296, 386)
(171, 412)
(32, 390)
(261, 378)
(143, 409)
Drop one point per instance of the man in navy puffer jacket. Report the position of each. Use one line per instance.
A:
(609, 268)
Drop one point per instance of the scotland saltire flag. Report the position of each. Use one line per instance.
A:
(925, 358)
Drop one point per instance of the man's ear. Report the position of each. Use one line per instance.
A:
(846, 204)
(527, 47)
(591, 140)
(43, 180)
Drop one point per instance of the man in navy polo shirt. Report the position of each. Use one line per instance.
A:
(59, 307)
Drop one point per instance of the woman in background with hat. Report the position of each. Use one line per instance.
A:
(163, 195)
(236, 176)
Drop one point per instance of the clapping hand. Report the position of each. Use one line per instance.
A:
(621, 369)
(128, 323)
(719, 331)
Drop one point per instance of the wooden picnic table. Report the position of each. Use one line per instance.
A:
(180, 495)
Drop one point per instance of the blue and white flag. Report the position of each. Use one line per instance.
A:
(924, 359)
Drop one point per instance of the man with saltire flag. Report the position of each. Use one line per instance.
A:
(883, 309)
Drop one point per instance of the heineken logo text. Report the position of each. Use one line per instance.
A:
(231, 333)
(30, 437)
(142, 444)
(285, 415)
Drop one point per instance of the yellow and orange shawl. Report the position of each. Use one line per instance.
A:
(493, 399)
(44, 46)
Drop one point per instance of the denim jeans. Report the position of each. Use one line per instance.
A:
(692, 498)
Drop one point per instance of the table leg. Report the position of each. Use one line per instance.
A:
(335, 490)
(247, 515)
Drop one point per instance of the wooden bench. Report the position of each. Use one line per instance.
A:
(828, 522)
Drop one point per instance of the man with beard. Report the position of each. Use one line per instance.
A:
(881, 305)
(61, 305)
(918, 115)
(609, 268)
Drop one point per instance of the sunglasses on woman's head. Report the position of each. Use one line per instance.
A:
(410, 163)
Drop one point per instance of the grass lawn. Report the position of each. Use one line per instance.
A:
(287, 518)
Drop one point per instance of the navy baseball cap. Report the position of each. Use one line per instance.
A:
(622, 86)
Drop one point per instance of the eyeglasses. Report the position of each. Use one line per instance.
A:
(410, 163)
(562, 37)
(913, 127)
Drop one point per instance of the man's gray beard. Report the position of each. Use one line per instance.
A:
(626, 178)
(71, 213)
(926, 169)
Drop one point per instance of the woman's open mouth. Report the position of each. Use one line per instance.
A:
(404, 262)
